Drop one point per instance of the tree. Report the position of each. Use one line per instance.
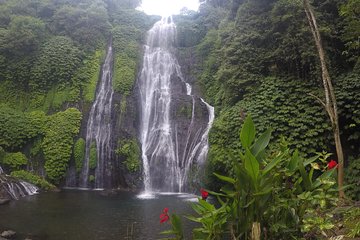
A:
(350, 11)
(330, 104)
(23, 35)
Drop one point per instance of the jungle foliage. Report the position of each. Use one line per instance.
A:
(259, 57)
(50, 60)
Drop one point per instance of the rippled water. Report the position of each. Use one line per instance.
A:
(75, 215)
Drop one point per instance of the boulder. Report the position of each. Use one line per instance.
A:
(4, 201)
(8, 234)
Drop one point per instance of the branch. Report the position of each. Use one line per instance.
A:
(319, 100)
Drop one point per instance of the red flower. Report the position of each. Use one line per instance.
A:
(332, 164)
(164, 217)
(204, 194)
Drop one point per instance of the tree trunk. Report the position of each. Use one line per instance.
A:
(330, 99)
(255, 231)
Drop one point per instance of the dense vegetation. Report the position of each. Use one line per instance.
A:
(253, 57)
(50, 58)
(259, 57)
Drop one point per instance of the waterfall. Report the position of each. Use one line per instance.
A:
(98, 132)
(17, 188)
(166, 164)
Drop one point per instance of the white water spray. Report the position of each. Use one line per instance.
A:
(165, 168)
(99, 128)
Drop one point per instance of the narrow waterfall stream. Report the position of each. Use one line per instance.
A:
(167, 160)
(98, 132)
(16, 188)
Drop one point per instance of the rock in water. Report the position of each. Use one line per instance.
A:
(4, 201)
(8, 234)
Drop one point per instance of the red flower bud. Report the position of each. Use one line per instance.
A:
(164, 217)
(332, 164)
(204, 194)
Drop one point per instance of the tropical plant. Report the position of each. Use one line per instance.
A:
(277, 192)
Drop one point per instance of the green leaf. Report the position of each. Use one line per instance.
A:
(251, 165)
(225, 178)
(176, 224)
(247, 133)
(304, 175)
(310, 160)
(294, 161)
(261, 143)
(272, 164)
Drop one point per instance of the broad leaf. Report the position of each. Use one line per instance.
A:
(310, 160)
(224, 178)
(247, 133)
(261, 143)
(294, 161)
(251, 165)
(272, 164)
(304, 175)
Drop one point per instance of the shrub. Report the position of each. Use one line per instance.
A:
(58, 142)
(129, 149)
(352, 178)
(79, 153)
(93, 156)
(14, 160)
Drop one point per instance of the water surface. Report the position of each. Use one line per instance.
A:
(80, 215)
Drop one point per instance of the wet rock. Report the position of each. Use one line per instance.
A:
(4, 201)
(8, 234)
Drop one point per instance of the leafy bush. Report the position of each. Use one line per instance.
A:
(91, 178)
(126, 45)
(279, 193)
(352, 178)
(57, 145)
(352, 222)
(57, 62)
(87, 75)
(14, 160)
(93, 156)
(17, 127)
(79, 153)
(34, 179)
(129, 149)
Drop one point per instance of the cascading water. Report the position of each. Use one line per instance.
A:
(1, 170)
(98, 132)
(16, 188)
(166, 162)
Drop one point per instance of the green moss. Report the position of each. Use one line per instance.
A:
(14, 160)
(36, 148)
(34, 179)
(126, 44)
(88, 74)
(59, 95)
(91, 178)
(124, 74)
(123, 105)
(93, 156)
(79, 153)
(2, 154)
(185, 111)
(130, 150)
